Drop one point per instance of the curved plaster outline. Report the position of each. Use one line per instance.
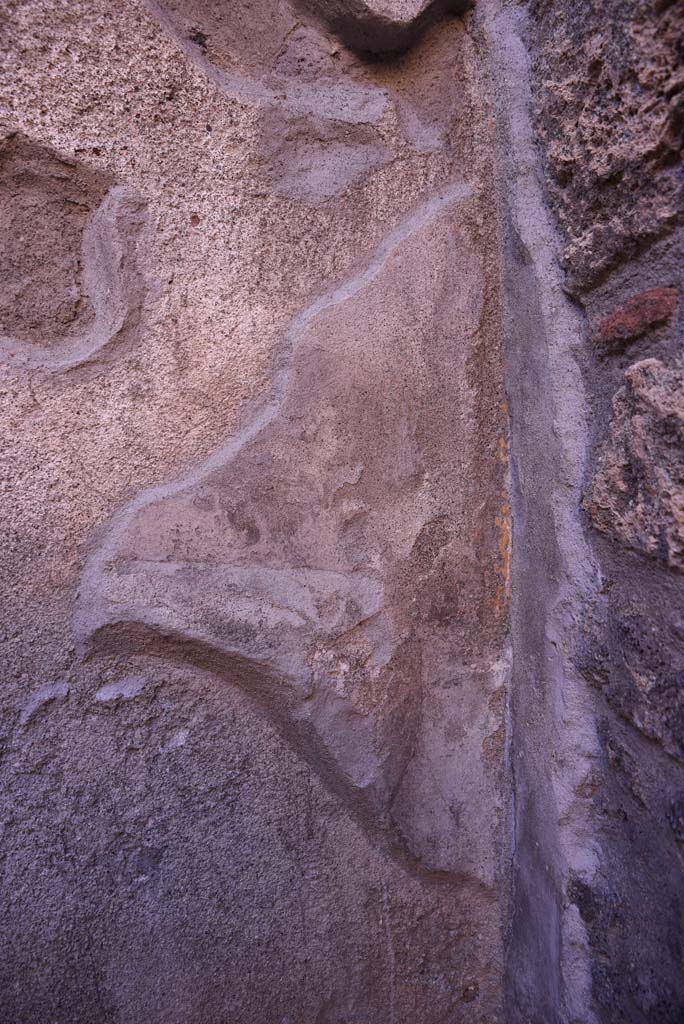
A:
(287, 703)
(334, 100)
(110, 281)
(345, 101)
(266, 410)
(336, 103)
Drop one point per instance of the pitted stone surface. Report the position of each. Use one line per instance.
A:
(608, 104)
(609, 115)
(637, 495)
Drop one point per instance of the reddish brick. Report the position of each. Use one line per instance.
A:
(637, 315)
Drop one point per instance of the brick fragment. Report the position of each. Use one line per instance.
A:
(637, 315)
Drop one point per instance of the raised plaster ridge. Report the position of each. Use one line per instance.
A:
(359, 779)
(346, 101)
(552, 712)
(266, 409)
(111, 283)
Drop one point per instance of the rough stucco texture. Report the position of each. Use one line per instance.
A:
(255, 584)
(298, 725)
(609, 81)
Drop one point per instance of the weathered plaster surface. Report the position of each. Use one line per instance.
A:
(258, 598)
(340, 360)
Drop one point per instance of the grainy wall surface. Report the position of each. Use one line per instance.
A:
(255, 580)
(343, 508)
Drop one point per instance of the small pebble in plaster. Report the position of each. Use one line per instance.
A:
(194, 220)
(471, 992)
(124, 689)
(178, 739)
(43, 696)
